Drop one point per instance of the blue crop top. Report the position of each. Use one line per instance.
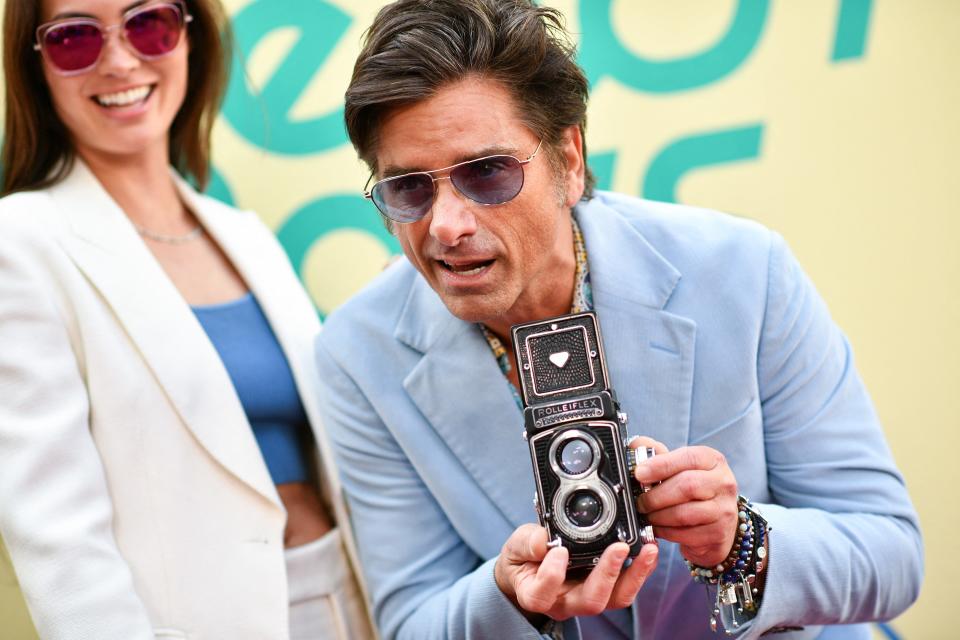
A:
(264, 383)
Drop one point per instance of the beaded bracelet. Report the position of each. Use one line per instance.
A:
(740, 551)
(738, 595)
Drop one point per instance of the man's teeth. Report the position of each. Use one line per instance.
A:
(123, 98)
(465, 270)
(470, 272)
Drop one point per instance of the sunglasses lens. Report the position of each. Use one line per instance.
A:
(493, 180)
(72, 47)
(154, 32)
(404, 199)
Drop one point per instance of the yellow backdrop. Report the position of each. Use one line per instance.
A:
(832, 121)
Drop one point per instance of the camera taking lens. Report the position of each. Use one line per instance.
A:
(584, 508)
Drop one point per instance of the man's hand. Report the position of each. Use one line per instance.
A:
(695, 504)
(535, 577)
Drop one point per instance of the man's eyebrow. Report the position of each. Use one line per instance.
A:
(78, 14)
(391, 171)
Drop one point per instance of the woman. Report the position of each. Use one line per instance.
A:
(157, 474)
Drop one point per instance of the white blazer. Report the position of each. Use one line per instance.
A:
(134, 500)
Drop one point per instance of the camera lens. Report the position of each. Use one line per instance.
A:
(583, 508)
(576, 456)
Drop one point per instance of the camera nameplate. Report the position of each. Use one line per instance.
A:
(584, 408)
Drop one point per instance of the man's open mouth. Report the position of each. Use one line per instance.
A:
(466, 268)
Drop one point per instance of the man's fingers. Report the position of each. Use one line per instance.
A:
(597, 588)
(660, 467)
(538, 592)
(633, 577)
(686, 486)
(646, 441)
(685, 514)
(697, 537)
(527, 544)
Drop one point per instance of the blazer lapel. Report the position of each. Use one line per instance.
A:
(460, 390)
(105, 246)
(650, 352)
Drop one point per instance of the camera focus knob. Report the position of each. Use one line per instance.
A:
(631, 461)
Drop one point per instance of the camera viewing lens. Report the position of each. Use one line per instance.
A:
(583, 508)
(576, 456)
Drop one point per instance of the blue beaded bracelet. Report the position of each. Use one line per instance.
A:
(737, 592)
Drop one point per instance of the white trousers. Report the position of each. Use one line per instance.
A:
(325, 602)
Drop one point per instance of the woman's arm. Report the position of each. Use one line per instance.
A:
(55, 508)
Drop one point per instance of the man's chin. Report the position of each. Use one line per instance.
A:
(473, 308)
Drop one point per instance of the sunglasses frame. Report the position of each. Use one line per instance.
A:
(105, 30)
(368, 193)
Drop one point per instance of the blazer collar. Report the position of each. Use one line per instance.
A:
(107, 248)
(462, 394)
(622, 262)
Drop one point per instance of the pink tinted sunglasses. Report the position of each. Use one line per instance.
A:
(74, 45)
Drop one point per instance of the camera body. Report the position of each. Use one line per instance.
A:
(583, 469)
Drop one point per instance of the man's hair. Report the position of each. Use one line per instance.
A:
(37, 149)
(415, 47)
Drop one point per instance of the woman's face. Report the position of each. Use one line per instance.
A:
(123, 105)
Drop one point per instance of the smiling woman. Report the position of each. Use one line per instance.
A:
(159, 438)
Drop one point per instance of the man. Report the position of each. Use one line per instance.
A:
(718, 346)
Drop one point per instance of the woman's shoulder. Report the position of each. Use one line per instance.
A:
(27, 214)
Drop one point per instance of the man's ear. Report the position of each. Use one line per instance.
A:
(571, 149)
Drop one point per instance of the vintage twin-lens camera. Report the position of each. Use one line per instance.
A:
(583, 468)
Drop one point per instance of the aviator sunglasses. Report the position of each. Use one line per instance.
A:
(73, 45)
(489, 180)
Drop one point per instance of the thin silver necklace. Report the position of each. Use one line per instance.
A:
(189, 236)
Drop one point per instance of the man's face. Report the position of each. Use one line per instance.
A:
(496, 264)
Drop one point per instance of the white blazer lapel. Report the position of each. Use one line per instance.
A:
(105, 246)
(267, 272)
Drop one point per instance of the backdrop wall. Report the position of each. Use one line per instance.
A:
(831, 121)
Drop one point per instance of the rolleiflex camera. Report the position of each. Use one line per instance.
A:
(583, 469)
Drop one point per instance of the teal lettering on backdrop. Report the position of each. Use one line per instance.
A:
(331, 213)
(602, 165)
(218, 187)
(700, 150)
(263, 117)
(853, 21)
(602, 53)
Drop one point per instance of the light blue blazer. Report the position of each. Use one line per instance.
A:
(714, 336)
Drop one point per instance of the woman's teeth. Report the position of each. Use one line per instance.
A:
(123, 98)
